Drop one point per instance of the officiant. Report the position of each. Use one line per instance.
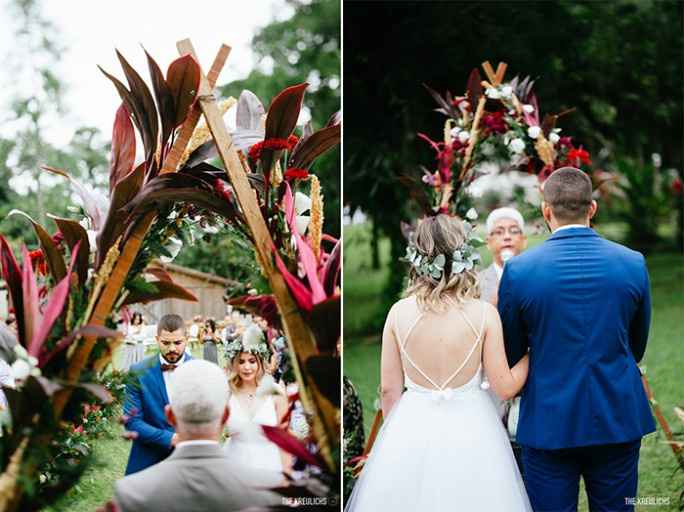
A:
(505, 239)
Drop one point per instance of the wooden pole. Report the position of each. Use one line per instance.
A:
(299, 336)
(132, 246)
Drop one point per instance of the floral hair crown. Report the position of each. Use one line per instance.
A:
(252, 341)
(462, 259)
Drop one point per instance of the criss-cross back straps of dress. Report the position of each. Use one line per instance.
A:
(402, 346)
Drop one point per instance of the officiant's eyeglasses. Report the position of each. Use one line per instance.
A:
(499, 232)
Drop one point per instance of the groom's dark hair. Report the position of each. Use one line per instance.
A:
(170, 323)
(568, 192)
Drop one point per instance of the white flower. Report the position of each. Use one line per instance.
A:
(528, 109)
(471, 214)
(511, 112)
(252, 338)
(533, 131)
(657, 160)
(517, 145)
(174, 246)
(302, 223)
(20, 369)
(20, 351)
(506, 91)
(455, 131)
(463, 136)
(92, 240)
(493, 93)
(302, 203)
(554, 137)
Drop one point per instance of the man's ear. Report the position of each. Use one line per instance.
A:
(170, 416)
(593, 208)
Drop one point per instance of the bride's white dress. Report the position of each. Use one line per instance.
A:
(247, 442)
(441, 449)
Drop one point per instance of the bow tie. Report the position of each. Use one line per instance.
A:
(167, 367)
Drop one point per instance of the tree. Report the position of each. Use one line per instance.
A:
(618, 63)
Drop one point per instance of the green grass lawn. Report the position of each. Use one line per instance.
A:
(664, 359)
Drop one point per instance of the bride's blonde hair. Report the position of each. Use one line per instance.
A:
(441, 234)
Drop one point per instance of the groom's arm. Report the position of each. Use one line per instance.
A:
(515, 336)
(641, 322)
(147, 433)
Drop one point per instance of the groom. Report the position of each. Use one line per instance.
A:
(148, 395)
(582, 306)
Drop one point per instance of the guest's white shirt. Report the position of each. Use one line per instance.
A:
(197, 442)
(499, 271)
(169, 376)
(568, 226)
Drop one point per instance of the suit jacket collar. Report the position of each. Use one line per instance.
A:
(159, 376)
(572, 233)
(198, 451)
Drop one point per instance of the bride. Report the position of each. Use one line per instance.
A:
(255, 400)
(442, 446)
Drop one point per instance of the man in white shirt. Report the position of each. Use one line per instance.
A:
(198, 476)
(148, 394)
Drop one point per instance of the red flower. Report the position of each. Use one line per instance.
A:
(295, 173)
(677, 186)
(273, 144)
(495, 123)
(578, 157)
(78, 430)
(57, 238)
(565, 141)
(223, 190)
(38, 259)
(292, 141)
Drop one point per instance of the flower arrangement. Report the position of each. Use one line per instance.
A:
(494, 122)
(252, 341)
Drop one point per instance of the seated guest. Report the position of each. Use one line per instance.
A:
(198, 476)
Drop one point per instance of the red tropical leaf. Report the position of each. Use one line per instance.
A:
(12, 275)
(165, 103)
(54, 258)
(315, 145)
(145, 107)
(73, 234)
(331, 270)
(183, 78)
(301, 293)
(123, 147)
(281, 120)
(29, 288)
(87, 330)
(53, 309)
(290, 444)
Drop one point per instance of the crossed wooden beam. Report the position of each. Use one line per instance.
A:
(300, 339)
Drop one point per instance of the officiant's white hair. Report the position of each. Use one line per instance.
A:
(504, 213)
(199, 394)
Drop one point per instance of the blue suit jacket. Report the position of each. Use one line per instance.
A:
(582, 306)
(144, 403)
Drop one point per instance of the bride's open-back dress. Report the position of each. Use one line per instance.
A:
(443, 446)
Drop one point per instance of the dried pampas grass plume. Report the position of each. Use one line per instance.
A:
(316, 226)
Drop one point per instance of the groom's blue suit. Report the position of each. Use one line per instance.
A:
(144, 404)
(581, 305)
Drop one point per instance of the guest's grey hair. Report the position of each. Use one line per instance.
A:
(199, 395)
(8, 340)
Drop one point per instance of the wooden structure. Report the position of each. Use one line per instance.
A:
(208, 288)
